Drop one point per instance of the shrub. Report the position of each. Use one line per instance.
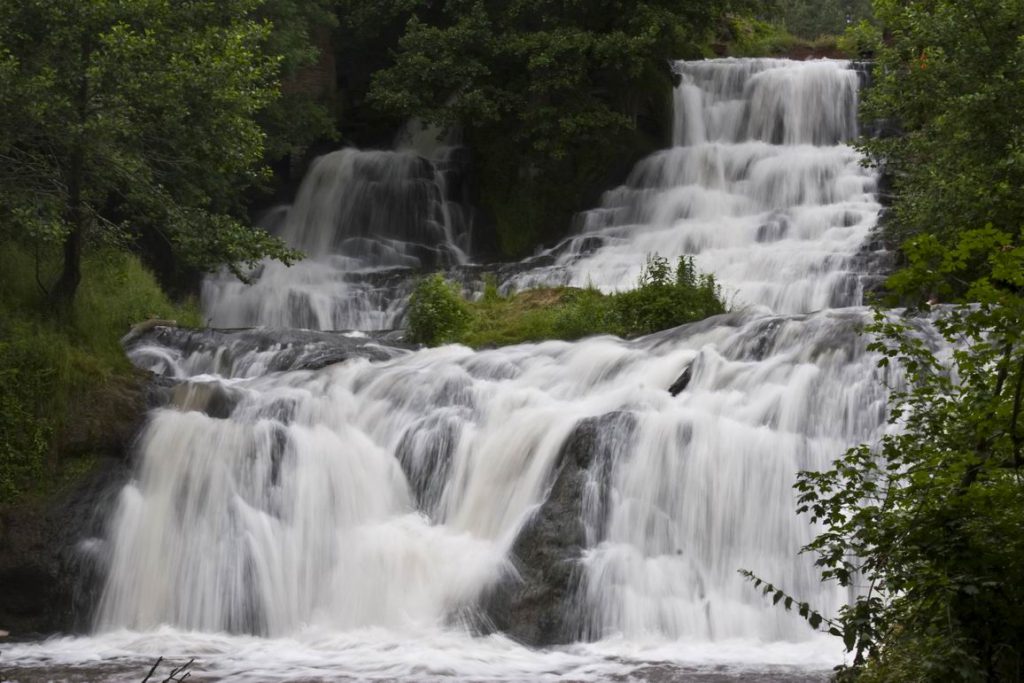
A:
(661, 301)
(860, 40)
(437, 313)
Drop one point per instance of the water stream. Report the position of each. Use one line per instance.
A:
(320, 506)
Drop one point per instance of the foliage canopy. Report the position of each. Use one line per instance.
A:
(123, 118)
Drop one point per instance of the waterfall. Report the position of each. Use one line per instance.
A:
(333, 494)
(363, 218)
(759, 188)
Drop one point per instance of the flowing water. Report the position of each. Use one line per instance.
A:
(364, 219)
(315, 506)
(758, 187)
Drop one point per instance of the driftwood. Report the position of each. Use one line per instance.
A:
(176, 676)
(145, 326)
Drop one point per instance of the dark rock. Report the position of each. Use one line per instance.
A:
(51, 564)
(51, 555)
(225, 350)
(539, 606)
(682, 381)
(106, 418)
(212, 398)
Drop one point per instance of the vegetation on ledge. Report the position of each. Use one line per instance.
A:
(662, 299)
(65, 385)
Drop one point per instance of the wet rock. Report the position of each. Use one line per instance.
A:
(682, 381)
(226, 352)
(51, 559)
(211, 398)
(539, 607)
(51, 555)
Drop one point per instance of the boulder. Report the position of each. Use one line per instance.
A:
(539, 606)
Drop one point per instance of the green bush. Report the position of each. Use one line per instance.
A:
(662, 300)
(860, 40)
(437, 313)
(752, 37)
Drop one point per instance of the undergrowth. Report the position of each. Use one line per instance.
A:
(47, 364)
(746, 36)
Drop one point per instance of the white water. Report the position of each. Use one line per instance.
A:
(758, 186)
(363, 218)
(345, 521)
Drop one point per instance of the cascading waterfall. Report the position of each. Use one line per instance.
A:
(332, 485)
(758, 187)
(364, 218)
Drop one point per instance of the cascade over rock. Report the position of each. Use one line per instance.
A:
(314, 488)
(364, 219)
(538, 603)
(758, 187)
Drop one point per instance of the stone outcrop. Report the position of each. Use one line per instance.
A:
(540, 606)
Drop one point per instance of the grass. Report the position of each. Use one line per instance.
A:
(663, 298)
(534, 315)
(48, 367)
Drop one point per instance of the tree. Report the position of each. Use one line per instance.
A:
(300, 35)
(122, 117)
(551, 93)
(813, 18)
(951, 75)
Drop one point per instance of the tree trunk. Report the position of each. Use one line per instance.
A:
(63, 293)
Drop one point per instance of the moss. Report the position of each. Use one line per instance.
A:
(533, 315)
(66, 387)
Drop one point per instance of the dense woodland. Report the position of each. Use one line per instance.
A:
(137, 137)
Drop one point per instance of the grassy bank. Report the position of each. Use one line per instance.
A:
(58, 376)
(663, 298)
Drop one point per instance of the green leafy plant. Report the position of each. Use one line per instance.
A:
(50, 368)
(860, 40)
(437, 313)
(662, 299)
(123, 119)
(925, 525)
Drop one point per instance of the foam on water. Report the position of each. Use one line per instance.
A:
(374, 654)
